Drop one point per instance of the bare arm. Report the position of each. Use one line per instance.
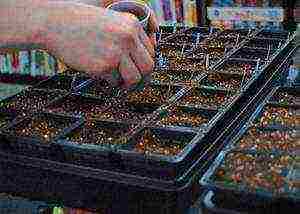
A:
(87, 38)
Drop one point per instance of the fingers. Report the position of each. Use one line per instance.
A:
(142, 58)
(146, 41)
(153, 23)
(129, 71)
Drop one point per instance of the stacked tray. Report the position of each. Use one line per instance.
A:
(260, 167)
(158, 134)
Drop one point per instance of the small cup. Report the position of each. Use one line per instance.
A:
(140, 10)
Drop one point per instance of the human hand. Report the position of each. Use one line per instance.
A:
(98, 41)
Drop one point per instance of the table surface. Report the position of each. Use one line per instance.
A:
(16, 205)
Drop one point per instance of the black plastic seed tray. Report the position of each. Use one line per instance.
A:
(205, 98)
(62, 82)
(223, 81)
(254, 53)
(274, 116)
(254, 178)
(28, 101)
(286, 96)
(273, 34)
(79, 106)
(87, 187)
(34, 135)
(91, 143)
(265, 43)
(182, 117)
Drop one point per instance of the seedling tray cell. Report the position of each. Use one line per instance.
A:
(231, 82)
(186, 117)
(273, 34)
(96, 134)
(128, 112)
(241, 67)
(78, 105)
(100, 89)
(186, 38)
(279, 117)
(254, 53)
(152, 94)
(90, 143)
(235, 33)
(265, 43)
(207, 98)
(269, 141)
(244, 173)
(34, 135)
(169, 50)
(28, 101)
(155, 141)
(286, 96)
(186, 64)
(175, 76)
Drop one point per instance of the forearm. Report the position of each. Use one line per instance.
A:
(20, 21)
(25, 21)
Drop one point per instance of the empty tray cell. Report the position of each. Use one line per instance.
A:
(77, 105)
(241, 67)
(174, 77)
(41, 127)
(96, 134)
(100, 89)
(273, 34)
(5, 119)
(265, 43)
(62, 82)
(277, 116)
(179, 116)
(287, 96)
(29, 101)
(128, 112)
(207, 98)
(259, 173)
(253, 53)
(161, 141)
(186, 64)
(152, 94)
(223, 81)
(270, 141)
